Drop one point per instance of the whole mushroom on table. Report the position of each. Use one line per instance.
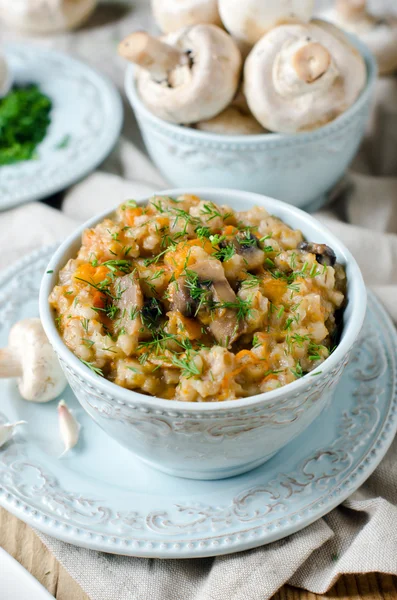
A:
(30, 358)
(299, 75)
(379, 33)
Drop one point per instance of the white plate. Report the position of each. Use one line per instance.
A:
(16, 583)
(102, 497)
(86, 107)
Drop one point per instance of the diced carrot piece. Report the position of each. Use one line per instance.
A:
(131, 214)
(98, 300)
(192, 328)
(275, 289)
(229, 230)
(178, 259)
(90, 274)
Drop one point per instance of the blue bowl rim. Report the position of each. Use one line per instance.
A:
(351, 328)
(266, 139)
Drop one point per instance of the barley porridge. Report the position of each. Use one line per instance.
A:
(187, 300)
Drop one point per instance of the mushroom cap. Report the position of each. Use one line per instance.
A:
(299, 77)
(38, 16)
(42, 377)
(232, 121)
(236, 119)
(199, 90)
(378, 33)
(171, 15)
(249, 20)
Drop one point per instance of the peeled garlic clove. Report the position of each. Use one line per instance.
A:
(6, 431)
(69, 428)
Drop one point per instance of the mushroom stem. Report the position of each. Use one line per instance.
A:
(351, 10)
(10, 365)
(311, 62)
(151, 54)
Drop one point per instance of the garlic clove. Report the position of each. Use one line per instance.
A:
(6, 431)
(69, 428)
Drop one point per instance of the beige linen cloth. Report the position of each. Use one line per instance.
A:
(361, 534)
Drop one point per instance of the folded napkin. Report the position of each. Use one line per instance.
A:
(361, 534)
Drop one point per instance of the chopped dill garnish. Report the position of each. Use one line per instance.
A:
(202, 232)
(198, 290)
(210, 211)
(243, 308)
(151, 313)
(298, 371)
(265, 237)
(155, 259)
(88, 343)
(269, 262)
(251, 281)
(188, 366)
(314, 351)
(64, 142)
(118, 265)
(225, 253)
(93, 368)
(247, 239)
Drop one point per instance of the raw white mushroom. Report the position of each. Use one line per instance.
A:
(30, 357)
(45, 16)
(249, 20)
(69, 428)
(299, 77)
(5, 77)
(236, 119)
(187, 76)
(171, 15)
(378, 33)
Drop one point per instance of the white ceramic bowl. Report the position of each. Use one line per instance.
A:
(217, 439)
(297, 168)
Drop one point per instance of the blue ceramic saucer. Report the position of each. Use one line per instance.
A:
(123, 506)
(86, 119)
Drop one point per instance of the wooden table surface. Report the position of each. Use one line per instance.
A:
(22, 543)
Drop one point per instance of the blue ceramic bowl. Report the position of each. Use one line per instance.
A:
(216, 439)
(297, 168)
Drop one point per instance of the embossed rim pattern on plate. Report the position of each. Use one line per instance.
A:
(211, 545)
(72, 170)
